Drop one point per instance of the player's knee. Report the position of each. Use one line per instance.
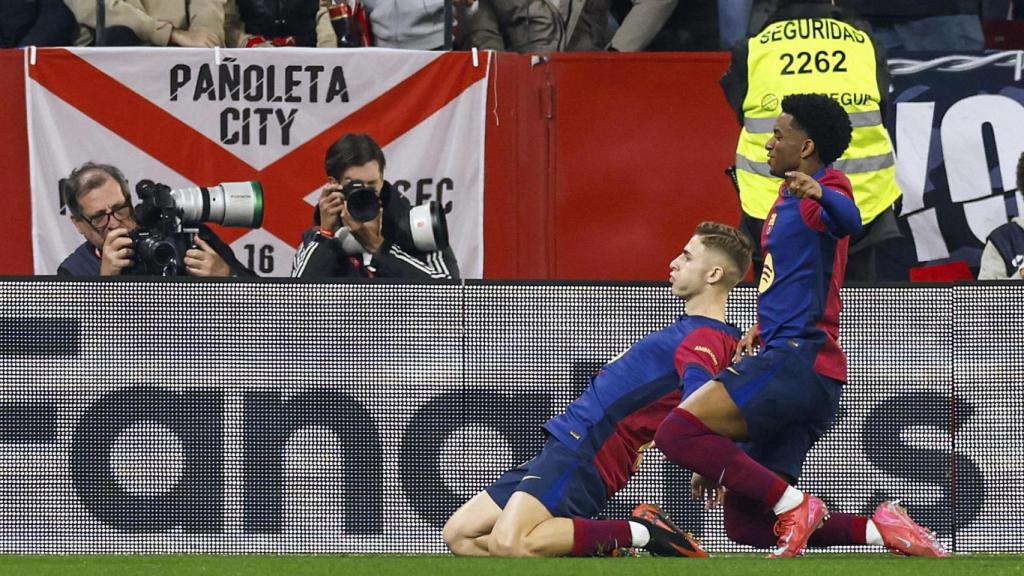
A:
(453, 537)
(671, 438)
(677, 435)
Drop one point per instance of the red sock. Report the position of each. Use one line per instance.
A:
(749, 522)
(598, 537)
(685, 440)
(840, 529)
(752, 523)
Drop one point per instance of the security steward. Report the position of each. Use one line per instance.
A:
(810, 46)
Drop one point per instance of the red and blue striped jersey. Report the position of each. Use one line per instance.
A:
(805, 243)
(615, 418)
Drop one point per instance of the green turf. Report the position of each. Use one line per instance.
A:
(337, 565)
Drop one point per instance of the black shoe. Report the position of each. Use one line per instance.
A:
(666, 538)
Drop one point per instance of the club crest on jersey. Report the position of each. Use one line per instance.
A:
(770, 223)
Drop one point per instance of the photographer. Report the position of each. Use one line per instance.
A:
(343, 245)
(100, 204)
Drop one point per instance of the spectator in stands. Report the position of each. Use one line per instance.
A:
(541, 26)
(189, 23)
(101, 209)
(790, 54)
(269, 23)
(404, 24)
(733, 19)
(692, 25)
(409, 25)
(1003, 257)
(384, 246)
(38, 23)
(919, 25)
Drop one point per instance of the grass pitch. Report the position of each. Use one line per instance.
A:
(414, 565)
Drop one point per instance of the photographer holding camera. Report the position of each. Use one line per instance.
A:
(99, 200)
(363, 227)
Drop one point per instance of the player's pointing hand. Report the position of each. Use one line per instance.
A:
(803, 186)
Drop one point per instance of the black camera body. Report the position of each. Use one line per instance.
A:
(159, 242)
(169, 219)
(362, 201)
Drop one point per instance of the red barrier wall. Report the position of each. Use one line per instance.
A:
(601, 165)
(16, 217)
(598, 166)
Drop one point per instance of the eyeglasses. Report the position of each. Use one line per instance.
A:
(120, 214)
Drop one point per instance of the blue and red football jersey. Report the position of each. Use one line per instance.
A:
(805, 243)
(616, 417)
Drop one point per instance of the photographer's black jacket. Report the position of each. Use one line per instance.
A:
(321, 257)
(85, 261)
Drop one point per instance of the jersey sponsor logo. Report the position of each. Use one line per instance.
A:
(767, 273)
(706, 350)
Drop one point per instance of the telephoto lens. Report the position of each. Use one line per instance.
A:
(227, 204)
(429, 227)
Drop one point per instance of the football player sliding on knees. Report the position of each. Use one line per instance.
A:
(547, 506)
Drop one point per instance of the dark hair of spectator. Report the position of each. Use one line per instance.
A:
(352, 150)
(824, 121)
(729, 241)
(85, 179)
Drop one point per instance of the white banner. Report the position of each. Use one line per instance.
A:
(197, 117)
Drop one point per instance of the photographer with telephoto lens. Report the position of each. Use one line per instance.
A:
(172, 239)
(363, 227)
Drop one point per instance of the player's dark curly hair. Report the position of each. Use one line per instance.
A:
(824, 120)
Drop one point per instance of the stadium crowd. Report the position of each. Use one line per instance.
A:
(520, 25)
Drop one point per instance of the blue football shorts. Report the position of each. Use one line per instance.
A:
(566, 483)
(788, 406)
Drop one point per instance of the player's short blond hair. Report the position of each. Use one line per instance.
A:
(731, 243)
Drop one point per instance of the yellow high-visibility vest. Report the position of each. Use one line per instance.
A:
(822, 56)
